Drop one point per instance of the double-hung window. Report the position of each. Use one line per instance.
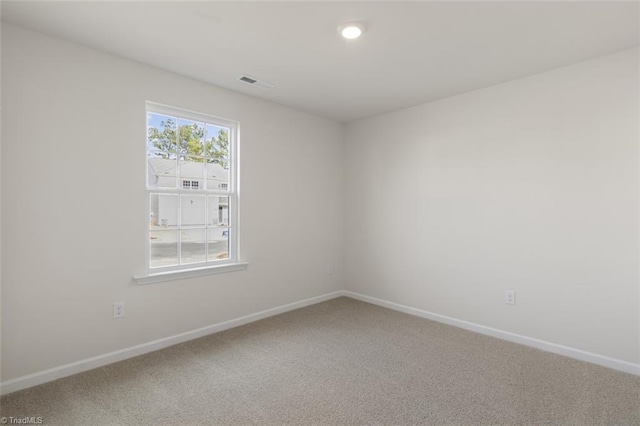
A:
(192, 190)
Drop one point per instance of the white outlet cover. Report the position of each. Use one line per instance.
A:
(118, 310)
(510, 297)
(330, 269)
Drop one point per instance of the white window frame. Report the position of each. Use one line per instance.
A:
(232, 263)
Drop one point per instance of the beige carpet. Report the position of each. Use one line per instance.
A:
(339, 362)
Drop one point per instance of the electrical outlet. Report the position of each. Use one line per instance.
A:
(510, 297)
(118, 310)
(330, 269)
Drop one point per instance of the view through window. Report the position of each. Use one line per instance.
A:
(191, 189)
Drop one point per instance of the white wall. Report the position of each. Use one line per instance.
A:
(73, 196)
(530, 185)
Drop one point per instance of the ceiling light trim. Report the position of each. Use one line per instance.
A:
(351, 30)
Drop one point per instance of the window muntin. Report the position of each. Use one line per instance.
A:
(191, 189)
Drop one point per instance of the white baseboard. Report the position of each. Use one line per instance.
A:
(109, 358)
(616, 364)
(101, 360)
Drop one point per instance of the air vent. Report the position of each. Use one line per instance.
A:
(248, 80)
(255, 82)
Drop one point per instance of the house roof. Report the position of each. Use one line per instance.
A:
(188, 169)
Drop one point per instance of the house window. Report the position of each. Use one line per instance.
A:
(190, 184)
(191, 189)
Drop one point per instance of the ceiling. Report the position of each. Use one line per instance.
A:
(410, 53)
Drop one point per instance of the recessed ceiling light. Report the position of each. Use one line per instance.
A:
(351, 30)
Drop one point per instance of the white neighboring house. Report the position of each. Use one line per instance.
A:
(163, 173)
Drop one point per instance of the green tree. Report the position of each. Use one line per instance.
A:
(217, 149)
(190, 143)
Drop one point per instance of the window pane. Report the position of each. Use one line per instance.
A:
(161, 169)
(218, 211)
(189, 188)
(161, 132)
(192, 210)
(191, 137)
(218, 243)
(191, 169)
(217, 145)
(163, 211)
(192, 245)
(163, 248)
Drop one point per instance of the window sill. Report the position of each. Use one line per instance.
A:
(189, 273)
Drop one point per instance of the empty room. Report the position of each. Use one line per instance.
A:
(319, 213)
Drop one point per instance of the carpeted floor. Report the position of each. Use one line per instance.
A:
(340, 362)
